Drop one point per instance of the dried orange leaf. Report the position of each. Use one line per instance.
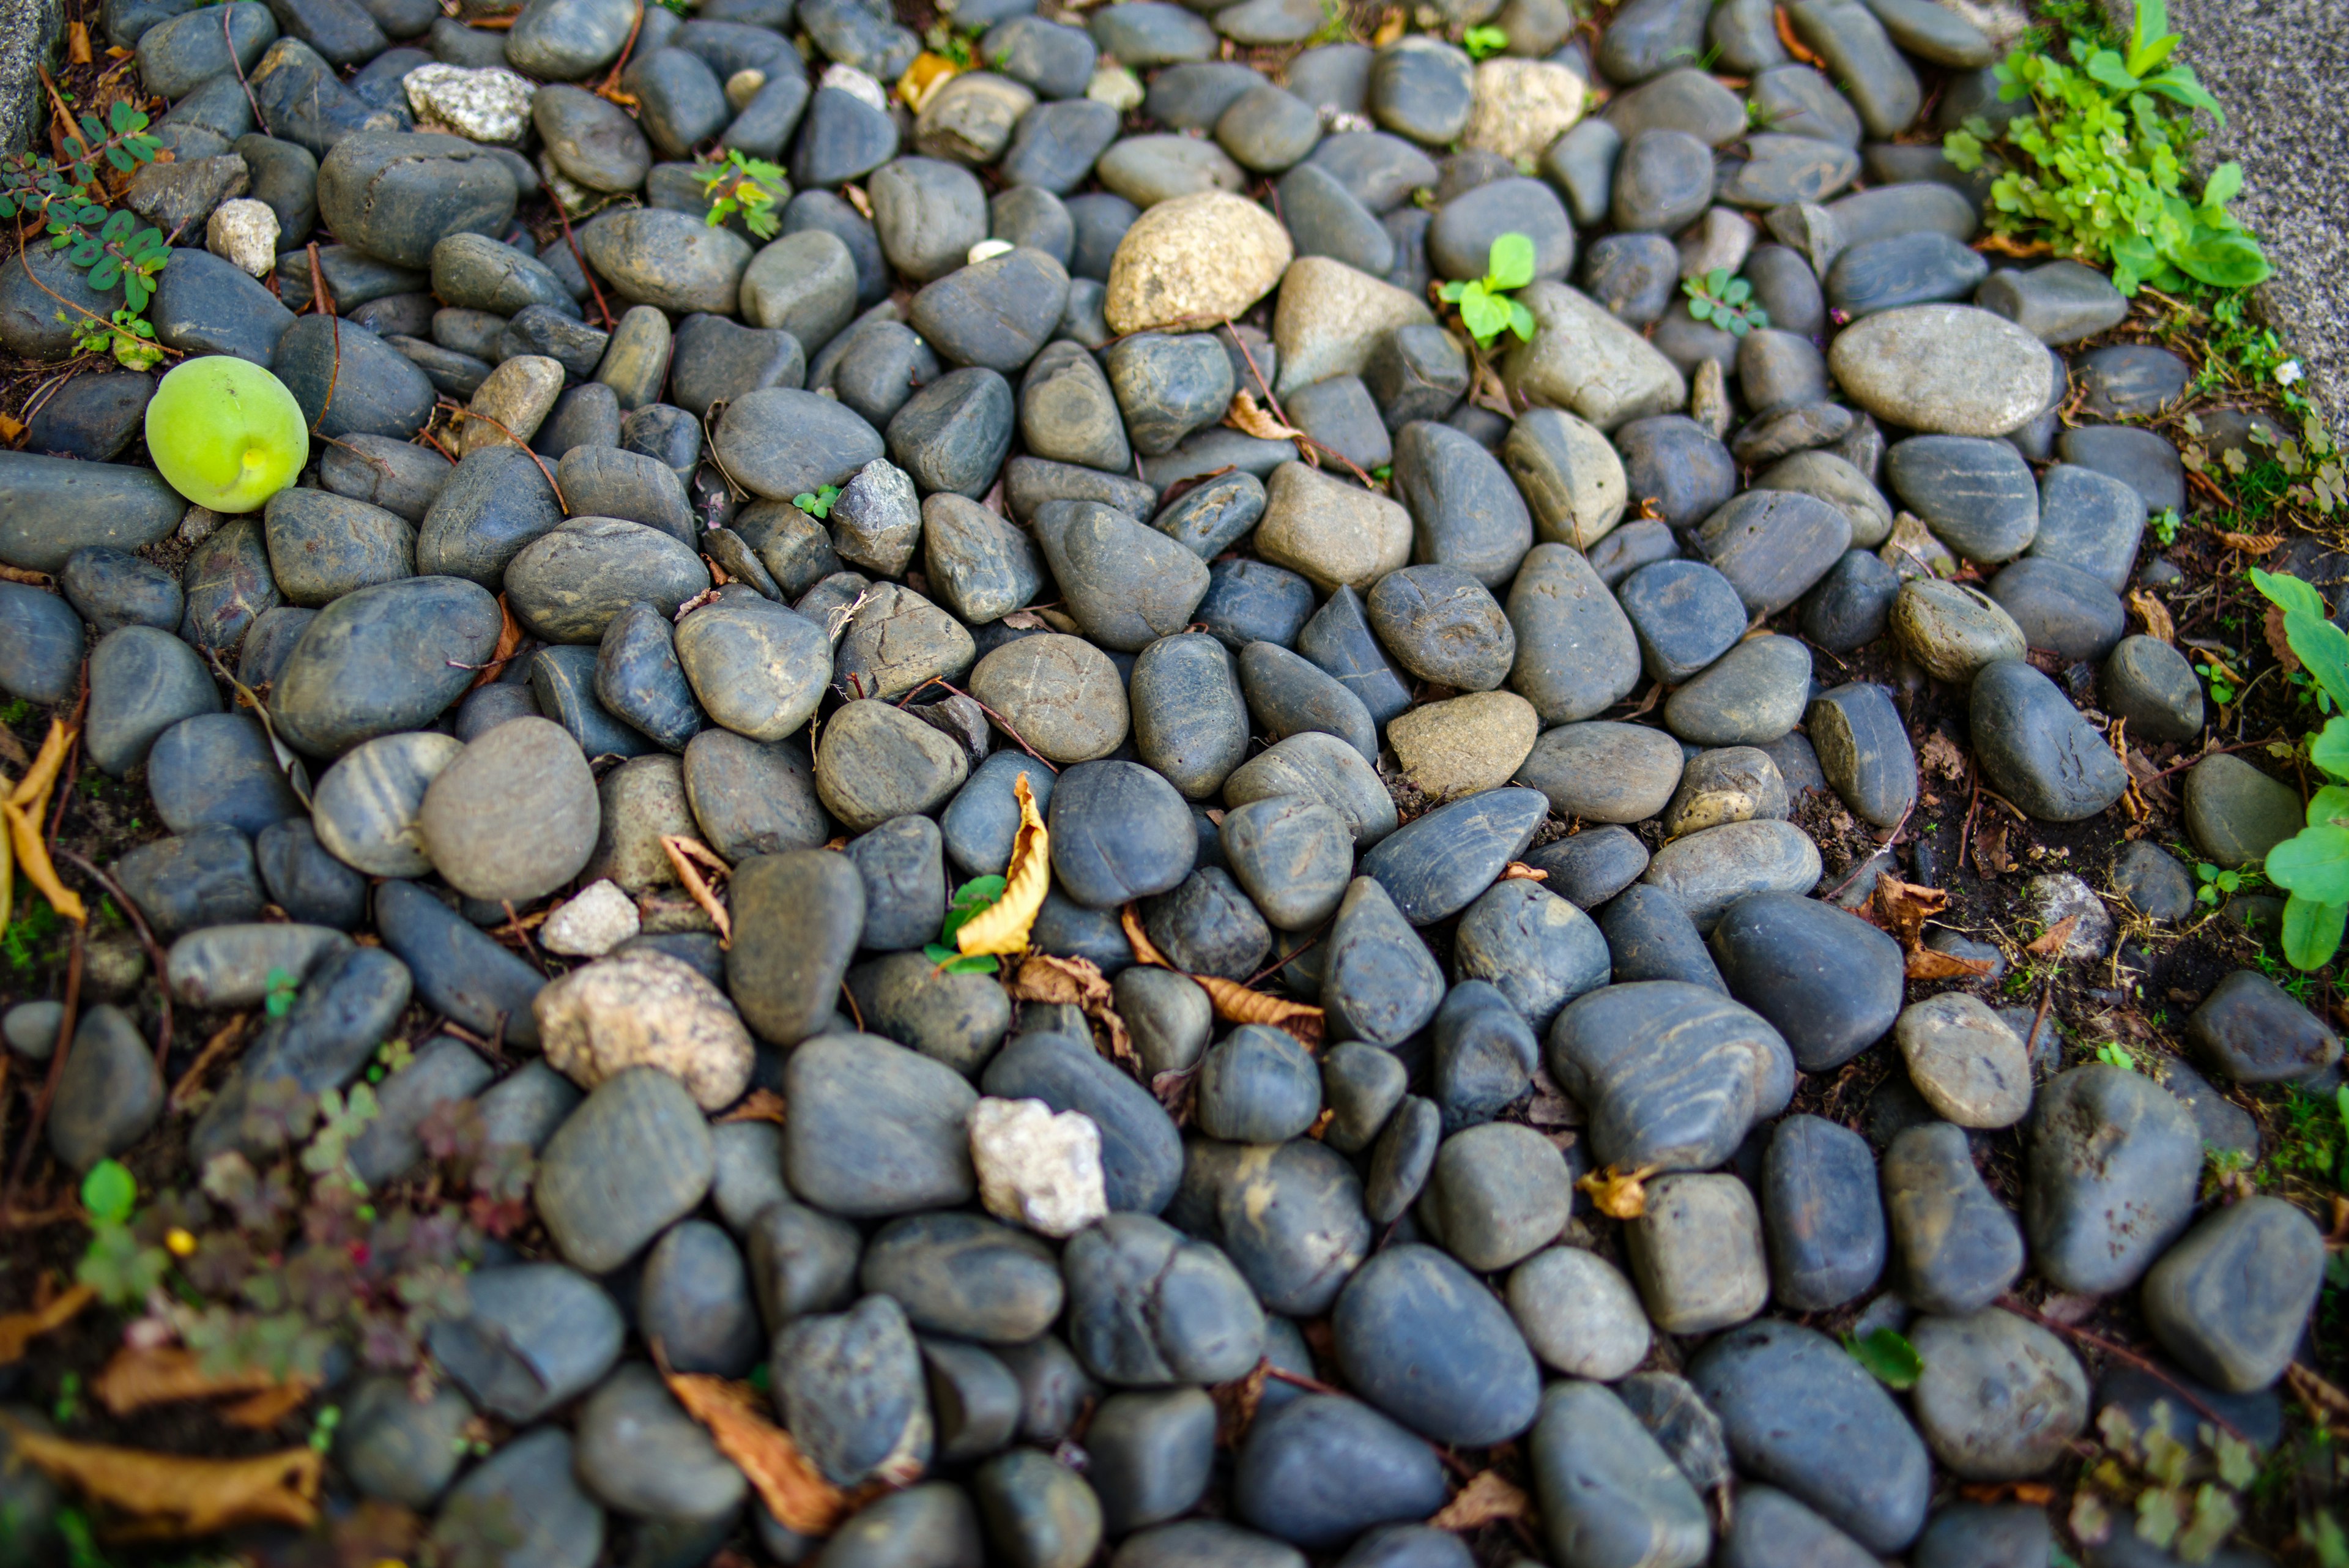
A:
(1924, 963)
(1786, 36)
(2052, 940)
(683, 852)
(135, 1379)
(1236, 1403)
(20, 1328)
(1236, 1003)
(2250, 544)
(794, 1489)
(509, 638)
(2156, 619)
(1903, 908)
(1390, 28)
(1075, 983)
(1144, 950)
(1518, 871)
(1488, 1496)
(1245, 416)
(757, 1105)
(33, 789)
(174, 1496)
(33, 859)
(923, 79)
(1002, 926)
(10, 429)
(266, 1409)
(2008, 246)
(1622, 1195)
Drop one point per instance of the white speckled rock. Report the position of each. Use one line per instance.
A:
(593, 921)
(1206, 256)
(1038, 1170)
(490, 104)
(243, 233)
(644, 1010)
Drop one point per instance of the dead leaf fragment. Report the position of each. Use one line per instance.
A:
(794, 1489)
(1518, 871)
(1390, 28)
(1144, 950)
(19, 1329)
(1795, 45)
(2051, 942)
(1939, 755)
(2008, 246)
(32, 855)
(1487, 1497)
(2273, 626)
(166, 1374)
(1002, 926)
(1236, 1402)
(1243, 415)
(2154, 616)
(170, 1496)
(1076, 983)
(1903, 908)
(1620, 1194)
(509, 639)
(2250, 544)
(757, 1105)
(1924, 963)
(1236, 1003)
(1990, 857)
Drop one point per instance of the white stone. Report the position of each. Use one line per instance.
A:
(1038, 1170)
(1115, 86)
(987, 250)
(856, 84)
(644, 1010)
(743, 86)
(2055, 898)
(1520, 106)
(487, 104)
(243, 233)
(593, 922)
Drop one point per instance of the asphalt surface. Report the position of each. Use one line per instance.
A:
(2282, 69)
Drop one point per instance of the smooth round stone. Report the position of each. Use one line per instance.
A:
(109, 587)
(322, 545)
(1580, 1314)
(1952, 630)
(1863, 751)
(1327, 219)
(1602, 771)
(1752, 694)
(957, 1019)
(1213, 516)
(1662, 180)
(1441, 624)
(979, 827)
(639, 680)
(1572, 479)
(1169, 1016)
(1672, 1074)
(1293, 856)
(2111, 1176)
(1320, 767)
(809, 909)
(530, 1479)
(1969, 1065)
(2253, 1032)
(885, 1129)
(2035, 749)
(1680, 464)
(1190, 721)
(383, 658)
(904, 866)
(1321, 1468)
(753, 799)
(756, 667)
(951, 435)
(1206, 926)
(591, 140)
(306, 881)
(142, 681)
(1266, 129)
(1067, 413)
(2061, 608)
(1436, 865)
(1362, 1086)
(850, 1386)
(1486, 1054)
(1038, 1513)
(962, 1275)
(1771, 1527)
(1402, 1159)
(1380, 983)
(1686, 616)
(396, 1448)
(1148, 1308)
(395, 196)
(1119, 832)
(1287, 695)
(1696, 1253)
(568, 585)
(1773, 546)
(218, 768)
(1291, 1217)
(695, 1301)
(1466, 513)
(1728, 784)
(1603, 1480)
(1331, 531)
(634, 1156)
(1142, 1155)
(1982, 1535)
(1460, 240)
(1153, 1455)
(2230, 1299)
(1589, 868)
(2235, 813)
(1909, 269)
(1943, 368)
(110, 1092)
(1830, 983)
(1683, 99)
(40, 658)
(2126, 379)
(492, 505)
(1800, 1413)
(1423, 89)
(840, 138)
(1958, 1246)
(2091, 520)
(1498, 1193)
(1538, 947)
(2000, 1398)
(1632, 276)
(539, 1335)
(1168, 386)
(1422, 1339)
(1821, 1213)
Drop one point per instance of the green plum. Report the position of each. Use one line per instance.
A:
(225, 433)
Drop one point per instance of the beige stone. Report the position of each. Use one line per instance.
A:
(1583, 359)
(1520, 107)
(1194, 260)
(1328, 318)
(243, 233)
(487, 104)
(518, 395)
(1464, 745)
(1332, 532)
(644, 1010)
(1969, 1066)
(592, 922)
(1954, 629)
(1035, 1169)
(1912, 550)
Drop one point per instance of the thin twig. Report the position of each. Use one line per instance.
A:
(146, 939)
(612, 77)
(564, 218)
(2213, 752)
(320, 300)
(513, 923)
(259, 119)
(72, 760)
(24, 260)
(1009, 729)
(527, 452)
(855, 1012)
(226, 1035)
(57, 1054)
(2120, 1352)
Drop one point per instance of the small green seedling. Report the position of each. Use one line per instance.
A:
(1483, 43)
(1888, 1357)
(2163, 525)
(1486, 309)
(283, 989)
(817, 503)
(2216, 884)
(108, 1192)
(1726, 301)
(969, 899)
(2113, 1054)
(746, 186)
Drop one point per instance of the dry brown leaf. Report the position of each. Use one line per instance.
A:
(1795, 45)
(266, 1409)
(1243, 415)
(165, 1374)
(19, 1329)
(78, 43)
(683, 855)
(1488, 1496)
(859, 200)
(794, 1489)
(2051, 942)
(2315, 1391)
(1939, 755)
(1390, 28)
(2154, 616)
(2008, 246)
(1177, 1093)
(1236, 1402)
(757, 1105)
(1026, 620)
(1489, 390)
(1903, 908)
(1236, 1003)
(10, 429)
(1518, 871)
(1990, 857)
(32, 855)
(1623, 1195)
(1001, 928)
(175, 1496)
(1551, 1106)
(509, 638)
(1320, 1127)
(2031, 1494)
(1145, 950)
(2273, 626)
(1077, 982)
(1924, 963)
(2250, 544)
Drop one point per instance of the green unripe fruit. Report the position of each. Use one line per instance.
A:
(225, 433)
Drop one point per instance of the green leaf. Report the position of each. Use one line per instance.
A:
(2107, 67)
(1702, 309)
(1521, 322)
(2288, 592)
(2224, 260)
(2329, 808)
(1738, 292)
(954, 962)
(119, 115)
(2179, 85)
(2226, 181)
(1451, 292)
(108, 1192)
(105, 273)
(1485, 315)
(968, 899)
(1889, 1357)
(2313, 863)
(2323, 649)
(1511, 263)
(2312, 931)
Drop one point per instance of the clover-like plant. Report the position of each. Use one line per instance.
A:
(2312, 865)
(746, 186)
(1486, 307)
(69, 201)
(1483, 43)
(817, 502)
(1725, 300)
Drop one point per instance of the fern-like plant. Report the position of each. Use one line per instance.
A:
(69, 201)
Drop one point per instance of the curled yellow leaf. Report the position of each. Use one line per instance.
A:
(33, 855)
(1002, 926)
(173, 1497)
(1619, 1193)
(33, 789)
